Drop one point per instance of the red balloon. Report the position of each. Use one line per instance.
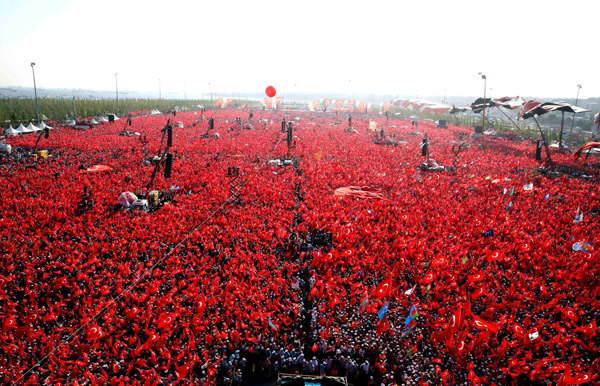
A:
(271, 91)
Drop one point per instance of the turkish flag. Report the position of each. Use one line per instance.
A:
(581, 378)
(474, 278)
(518, 330)
(445, 376)
(427, 279)
(571, 314)
(456, 321)
(479, 293)
(460, 346)
(494, 256)
(94, 333)
(9, 323)
(482, 324)
(166, 321)
(382, 326)
(383, 289)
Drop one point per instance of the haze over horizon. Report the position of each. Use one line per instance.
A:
(535, 48)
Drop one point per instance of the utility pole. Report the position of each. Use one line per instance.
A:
(117, 88)
(37, 108)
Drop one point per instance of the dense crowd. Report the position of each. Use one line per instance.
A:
(287, 278)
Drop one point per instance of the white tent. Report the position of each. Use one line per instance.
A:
(11, 132)
(22, 129)
(102, 119)
(94, 122)
(71, 122)
(43, 126)
(31, 127)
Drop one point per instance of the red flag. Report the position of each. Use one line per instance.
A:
(382, 326)
(94, 333)
(571, 315)
(518, 330)
(474, 278)
(428, 278)
(445, 376)
(459, 350)
(482, 324)
(383, 289)
(494, 256)
(479, 293)
(565, 380)
(9, 323)
(581, 378)
(456, 321)
(166, 321)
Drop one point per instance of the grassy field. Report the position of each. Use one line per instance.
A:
(16, 111)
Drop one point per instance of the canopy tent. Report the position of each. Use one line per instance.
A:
(22, 129)
(32, 127)
(588, 146)
(43, 126)
(510, 103)
(11, 132)
(533, 109)
(437, 108)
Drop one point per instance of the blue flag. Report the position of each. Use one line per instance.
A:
(407, 331)
(381, 313)
(363, 304)
(411, 315)
(272, 325)
(509, 205)
(547, 196)
(489, 233)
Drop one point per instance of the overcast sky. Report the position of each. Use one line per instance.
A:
(526, 48)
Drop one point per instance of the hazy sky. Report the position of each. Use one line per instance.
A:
(533, 48)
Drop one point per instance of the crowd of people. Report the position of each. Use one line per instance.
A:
(461, 276)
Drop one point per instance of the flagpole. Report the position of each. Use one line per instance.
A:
(573, 121)
(543, 139)
(509, 118)
(562, 124)
(483, 112)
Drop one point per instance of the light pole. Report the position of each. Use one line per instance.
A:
(444, 95)
(159, 90)
(484, 90)
(117, 90)
(573, 121)
(37, 108)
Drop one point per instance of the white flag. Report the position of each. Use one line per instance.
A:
(578, 216)
(410, 291)
(595, 125)
(534, 335)
(528, 186)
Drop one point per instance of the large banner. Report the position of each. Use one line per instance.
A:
(223, 103)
